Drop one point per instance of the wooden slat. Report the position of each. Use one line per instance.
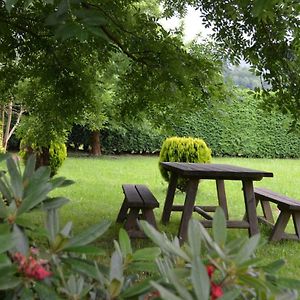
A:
(139, 196)
(214, 171)
(147, 197)
(229, 224)
(132, 196)
(202, 212)
(281, 200)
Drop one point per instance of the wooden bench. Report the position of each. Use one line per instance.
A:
(138, 204)
(288, 207)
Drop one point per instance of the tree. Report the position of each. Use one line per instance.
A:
(59, 46)
(263, 32)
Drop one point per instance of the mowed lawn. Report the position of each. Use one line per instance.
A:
(97, 195)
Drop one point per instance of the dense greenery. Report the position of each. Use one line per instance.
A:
(239, 127)
(242, 128)
(263, 32)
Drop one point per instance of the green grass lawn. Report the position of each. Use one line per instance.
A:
(97, 195)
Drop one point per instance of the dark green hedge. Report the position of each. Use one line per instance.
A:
(241, 128)
(237, 128)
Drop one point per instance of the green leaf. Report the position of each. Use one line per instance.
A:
(288, 283)
(5, 191)
(90, 250)
(3, 209)
(200, 279)
(252, 281)
(247, 249)
(219, 227)
(164, 293)
(61, 182)
(124, 242)
(7, 242)
(4, 260)
(180, 288)
(9, 4)
(45, 292)
(193, 237)
(274, 266)
(97, 32)
(89, 235)
(116, 267)
(38, 194)
(9, 282)
(29, 168)
(15, 178)
(146, 254)
(54, 203)
(160, 240)
(66, 231)
(52, 223)
(68, 30)
(82, 266)
(114, 288)
(142, 266)
(230, 295)
(21, 240)
(137, 289)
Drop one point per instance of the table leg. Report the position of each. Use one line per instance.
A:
(250, 205)
(189, 203)
(222, 196)
(169, 199)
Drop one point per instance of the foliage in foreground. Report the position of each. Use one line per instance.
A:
(55, 264)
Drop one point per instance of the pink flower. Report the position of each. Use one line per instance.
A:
(31, 267)
(215, 291)
(210, 270)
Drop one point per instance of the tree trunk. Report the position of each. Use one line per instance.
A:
(43, 158)
(95, 143)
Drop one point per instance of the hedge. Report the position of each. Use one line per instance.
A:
(235, 128)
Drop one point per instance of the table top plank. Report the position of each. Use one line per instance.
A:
(214, 171)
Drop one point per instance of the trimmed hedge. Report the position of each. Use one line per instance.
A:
(243, 129)
(236, 128)
(178, 149)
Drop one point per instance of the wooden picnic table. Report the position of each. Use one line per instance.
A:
(194, 172)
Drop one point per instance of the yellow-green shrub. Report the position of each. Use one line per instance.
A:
(182, 149)
(57, 154)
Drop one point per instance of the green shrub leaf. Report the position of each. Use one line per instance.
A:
(89, 235)
(219, 227)
(124, 242)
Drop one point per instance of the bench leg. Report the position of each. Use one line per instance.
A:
(278, 230)
(296, 221)
(148, 215)
(222, 196)
(123, 212)
(267, 211)
(131, 222)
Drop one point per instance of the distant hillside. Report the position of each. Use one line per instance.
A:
(241, 76)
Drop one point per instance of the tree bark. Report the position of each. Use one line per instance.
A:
(95, 143)
(43, 158)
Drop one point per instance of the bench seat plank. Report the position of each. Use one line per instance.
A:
(138, 204)
(277, 198)
(288, 207)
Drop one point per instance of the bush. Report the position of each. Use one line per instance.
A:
(57, 153)
(178, 149)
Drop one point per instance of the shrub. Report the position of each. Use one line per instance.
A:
(57, 153)
(180, 149)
